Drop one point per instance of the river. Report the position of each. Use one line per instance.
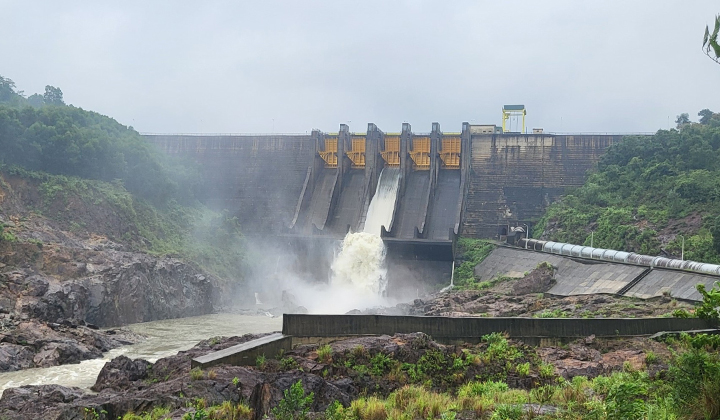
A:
(164, 338)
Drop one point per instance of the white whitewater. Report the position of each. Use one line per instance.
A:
(381, 209)
(359, 267)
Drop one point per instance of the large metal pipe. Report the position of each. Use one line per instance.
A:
(571, 250)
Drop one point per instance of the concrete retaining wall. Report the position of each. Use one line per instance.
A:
(471, 329)
(245, 354)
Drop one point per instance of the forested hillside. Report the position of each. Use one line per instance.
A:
(41, 133)
(647, 194)
(92, 175)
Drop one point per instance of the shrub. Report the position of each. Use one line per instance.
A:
(546, 370)
(523, 369)
(229, 411)
(260, 362)
(196, 374)
(334, 411)
(507, 412)
(324, 354)
(710, 306)
(288, 363)
(295, 403)
(381, 363)
(695, 380)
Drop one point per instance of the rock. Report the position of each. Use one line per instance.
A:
(15, 357)
(32, 399)
(539, 280)
(120, 372)
(260, 400)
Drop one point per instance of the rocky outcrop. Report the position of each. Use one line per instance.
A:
(111, 288)
(27, 344)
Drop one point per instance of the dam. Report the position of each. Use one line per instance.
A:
(309, 190)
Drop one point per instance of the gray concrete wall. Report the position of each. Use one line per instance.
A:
(245, 354)
(514, 177)
(471, 329)
(257, 178)
(577, 276)
(678, 284)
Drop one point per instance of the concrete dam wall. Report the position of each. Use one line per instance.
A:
(321, 184)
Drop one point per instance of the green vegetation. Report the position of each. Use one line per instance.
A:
(157, 413)
(210, 239)
(196, 374)
(96, 175)
(709, 308)
(711, 47)
(324, 354)
(65, 140)
(6, 236)
(644, 185)
(688, 390)
(295, 404)
(471, 252)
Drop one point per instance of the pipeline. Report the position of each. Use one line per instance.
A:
(610, 255)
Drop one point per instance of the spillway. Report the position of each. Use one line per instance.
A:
(412, 204)
(382, 206)
(350, 203)
(445, 206)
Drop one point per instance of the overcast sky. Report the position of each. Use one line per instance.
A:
(291, 66)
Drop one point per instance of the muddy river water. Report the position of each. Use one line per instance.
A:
(164, 338)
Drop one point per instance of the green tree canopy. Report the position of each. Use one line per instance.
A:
(682, 119)
(53, 96)
(642, 191)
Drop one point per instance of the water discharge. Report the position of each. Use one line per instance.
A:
(382, 207)
(360, 265)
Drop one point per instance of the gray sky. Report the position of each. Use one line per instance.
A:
(291, 66)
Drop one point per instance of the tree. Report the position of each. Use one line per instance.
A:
(705, 116)
(36, 100)
(711, 48)
(53, 96)
(682, 119)
(8, 94)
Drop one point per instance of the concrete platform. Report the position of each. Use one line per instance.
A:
(245, 354)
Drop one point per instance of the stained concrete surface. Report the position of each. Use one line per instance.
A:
(577, 276)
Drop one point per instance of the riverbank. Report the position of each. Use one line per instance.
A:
(359, 373)
(162, 338)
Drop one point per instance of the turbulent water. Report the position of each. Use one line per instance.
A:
(381, 209)
(165, 338)
(359, 267)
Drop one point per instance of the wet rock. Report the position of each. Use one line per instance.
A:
(33, 399)
(120, 372)
(15, 357)
(539, 280)
(260, 400)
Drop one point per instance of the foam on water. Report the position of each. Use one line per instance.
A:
(360, 264)
(381, 209)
